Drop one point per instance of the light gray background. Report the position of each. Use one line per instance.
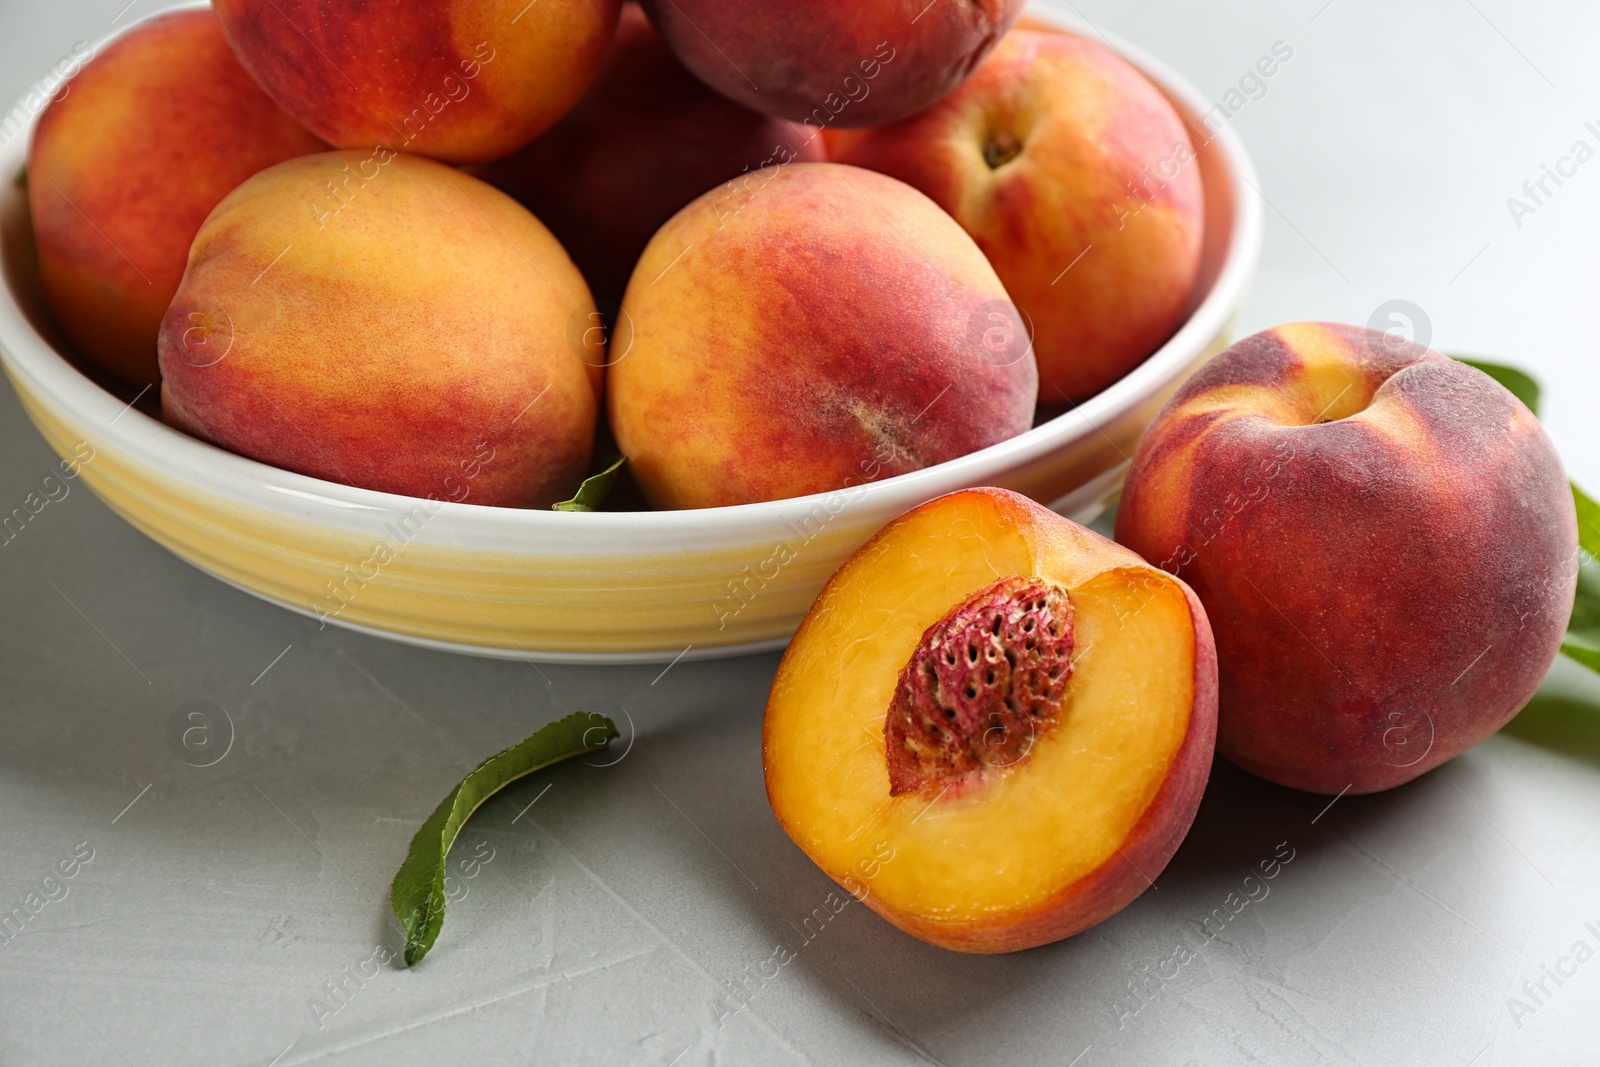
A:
(624, 911)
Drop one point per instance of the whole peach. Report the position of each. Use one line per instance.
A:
(1383, 539)
(410, 333)
(1078, 180)
(459, 81)
(808, 328)
(645, 140)
(837, 62)
(126, 163)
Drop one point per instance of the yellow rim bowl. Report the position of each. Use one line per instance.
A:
(573, 587)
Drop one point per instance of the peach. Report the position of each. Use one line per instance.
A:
(805, 329)
(645, 140)
(411, 333)
(994, 726)
(457, 81)
(1383, 538)
(1078, 180)
(126, 163)
(835, 63)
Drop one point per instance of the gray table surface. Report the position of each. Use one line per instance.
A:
(629, 914)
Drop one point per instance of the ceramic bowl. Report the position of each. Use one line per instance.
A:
(603, 587)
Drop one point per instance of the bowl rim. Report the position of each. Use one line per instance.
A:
(29, 354)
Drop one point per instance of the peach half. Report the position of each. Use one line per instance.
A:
(1384, 539)
(994, 726)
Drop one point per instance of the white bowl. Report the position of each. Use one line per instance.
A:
(617, 587)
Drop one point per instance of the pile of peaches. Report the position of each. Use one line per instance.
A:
(783, 243)
(778, 245)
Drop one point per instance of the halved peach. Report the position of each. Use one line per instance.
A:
(994, 726)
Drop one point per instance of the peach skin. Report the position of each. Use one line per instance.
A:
(994, 726)
(834, 62)
(1078, 180)
(1384, 540)
(807, 328)
(459, 81)
(126, 163)
(645, 140)
(412, 332)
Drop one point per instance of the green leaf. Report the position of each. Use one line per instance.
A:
(1582, 642)
(1520, 383)
(21, 180)
(1589, 657)
(594, 488)
(1588, 522)
(417, 895)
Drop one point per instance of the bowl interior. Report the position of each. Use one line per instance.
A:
(1227, 249)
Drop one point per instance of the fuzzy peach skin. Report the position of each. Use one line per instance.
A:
(459, 81)
(1383, 538)
(1078, 180)
(808, 328)
(412, 333)
(1054, 838)
(645, 140)
(126, 163)
(834, 62)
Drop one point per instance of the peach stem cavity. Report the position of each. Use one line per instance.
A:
(1001, 148)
